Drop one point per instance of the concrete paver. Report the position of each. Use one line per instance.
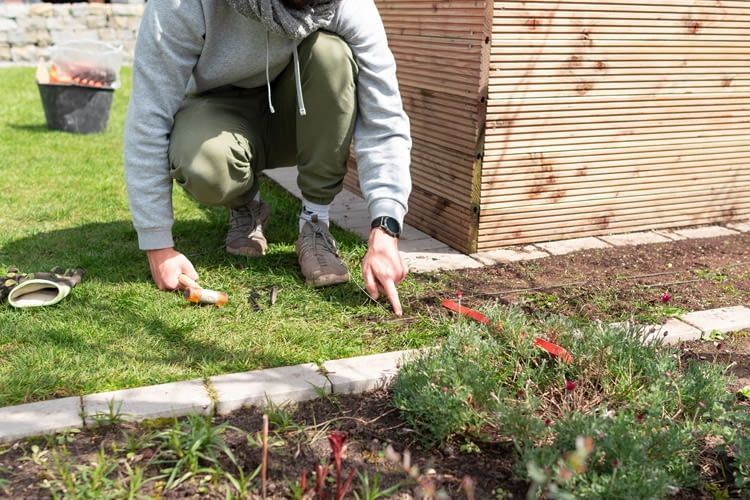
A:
(285, 177)
(364, 373)
(705, 232)
(723, 320)
(672, 332)
(563, 247)
(155, 401)
(278, 385)
(416, 246)
(45, 417)
(441, 259)
(510, 254)
(742, 227)
(347, 198)
(640, 238)
(668, 233)
(412, 233)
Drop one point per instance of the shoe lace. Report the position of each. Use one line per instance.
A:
(320, 243)
(243, 221)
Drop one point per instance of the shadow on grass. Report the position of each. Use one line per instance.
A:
(31, 127)
(109, 253)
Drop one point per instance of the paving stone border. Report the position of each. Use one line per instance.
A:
(223, 394)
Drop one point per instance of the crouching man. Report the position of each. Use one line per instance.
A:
(223, 89)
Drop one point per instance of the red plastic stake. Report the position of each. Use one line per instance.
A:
(554, 349)
(466, 311)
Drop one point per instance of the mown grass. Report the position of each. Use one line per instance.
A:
(64, 204)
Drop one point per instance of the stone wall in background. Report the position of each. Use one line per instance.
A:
(28, 30)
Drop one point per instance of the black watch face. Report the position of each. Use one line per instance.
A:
(392, 225)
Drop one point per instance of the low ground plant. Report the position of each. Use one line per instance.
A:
(192, 447)
(646, 412)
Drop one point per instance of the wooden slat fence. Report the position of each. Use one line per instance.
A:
(536, 120)
(615, 116)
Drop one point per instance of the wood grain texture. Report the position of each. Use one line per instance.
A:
(545, 119)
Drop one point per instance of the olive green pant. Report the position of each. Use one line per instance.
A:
(221, 140)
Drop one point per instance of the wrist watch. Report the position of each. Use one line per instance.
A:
(388, 224)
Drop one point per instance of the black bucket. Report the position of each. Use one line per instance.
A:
(77, 109)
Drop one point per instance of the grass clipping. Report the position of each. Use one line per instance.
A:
(628, 418)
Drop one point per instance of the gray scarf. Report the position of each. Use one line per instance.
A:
(291, 23)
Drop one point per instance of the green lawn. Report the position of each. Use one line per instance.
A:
(64, 204)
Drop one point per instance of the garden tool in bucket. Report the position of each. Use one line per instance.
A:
(42, 289)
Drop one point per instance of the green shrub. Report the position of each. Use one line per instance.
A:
(632, 457)
(449, 391)
(647, 413)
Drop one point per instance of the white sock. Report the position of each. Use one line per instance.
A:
(312, 212)
(257, 197)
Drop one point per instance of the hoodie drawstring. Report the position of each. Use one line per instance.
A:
(298, 82)
(268, 77)
(297, 78)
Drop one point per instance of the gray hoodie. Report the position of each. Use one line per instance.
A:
(192, 46)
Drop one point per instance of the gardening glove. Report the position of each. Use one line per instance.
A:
(9, 281)
(44, 289)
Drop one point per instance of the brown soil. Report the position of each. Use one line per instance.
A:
(369, 421)
(733, 352)
(612, 284)
(608, 285)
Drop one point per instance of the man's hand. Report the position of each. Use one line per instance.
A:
(166, 266)
(383, 268)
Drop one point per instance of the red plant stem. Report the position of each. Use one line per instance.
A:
(303, 481)
(264, 459)
(321, 472)
(341, 489)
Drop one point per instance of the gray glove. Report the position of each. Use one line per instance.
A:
(43, 289)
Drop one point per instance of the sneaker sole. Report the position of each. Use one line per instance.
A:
(245, 252)
(327, 280)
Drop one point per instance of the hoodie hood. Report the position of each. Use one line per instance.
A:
(291, 23)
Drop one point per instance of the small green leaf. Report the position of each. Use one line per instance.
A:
(716, 336)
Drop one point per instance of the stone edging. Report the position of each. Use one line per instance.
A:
(223, 394)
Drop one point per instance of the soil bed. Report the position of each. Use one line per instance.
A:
(371, 424)
(611, 284)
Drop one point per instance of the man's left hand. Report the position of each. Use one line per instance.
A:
(383, 268)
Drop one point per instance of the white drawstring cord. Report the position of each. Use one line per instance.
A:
(268, 76)
(298, 82)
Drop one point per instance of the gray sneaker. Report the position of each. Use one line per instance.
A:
(245, 235)
(318, 258)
